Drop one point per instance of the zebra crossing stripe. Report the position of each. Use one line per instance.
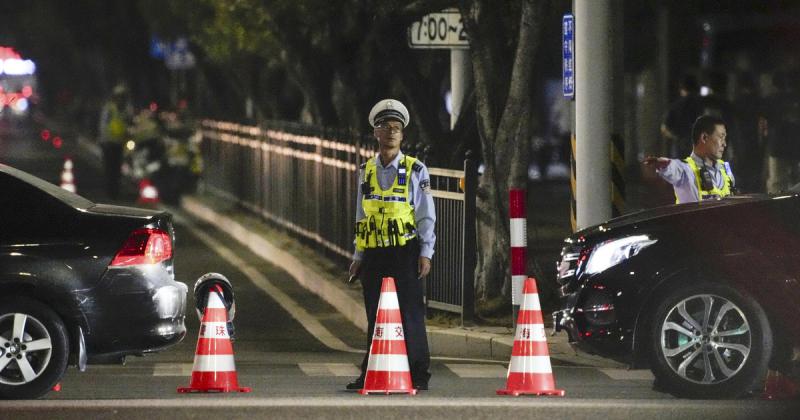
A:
(462, 370)
(329, 369)
(172, 369)
(472, 370)
(628, 374)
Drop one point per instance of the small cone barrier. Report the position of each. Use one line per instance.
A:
(529, 371)
(778, 387)
(214, 369)
(148, 193)
(67, 178)
(387, 369)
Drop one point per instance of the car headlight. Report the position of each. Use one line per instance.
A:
(615, 251)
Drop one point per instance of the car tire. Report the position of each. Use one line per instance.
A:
(27, 372)
(723, 354)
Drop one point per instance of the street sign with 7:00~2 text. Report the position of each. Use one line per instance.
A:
(438, 30)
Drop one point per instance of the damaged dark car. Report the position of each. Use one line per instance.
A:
(705, 294)
(80, 283)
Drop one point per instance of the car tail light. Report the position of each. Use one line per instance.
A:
(144, 246)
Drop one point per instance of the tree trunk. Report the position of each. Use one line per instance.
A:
(503, 123)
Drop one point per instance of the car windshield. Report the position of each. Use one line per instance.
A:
(71, 199)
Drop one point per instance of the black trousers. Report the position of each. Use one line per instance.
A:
(401, 263)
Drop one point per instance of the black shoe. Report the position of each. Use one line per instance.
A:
(358, 383)
(421, 385)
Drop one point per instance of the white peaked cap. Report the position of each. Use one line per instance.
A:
(389, 109)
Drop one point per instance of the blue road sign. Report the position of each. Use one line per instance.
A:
(568, 55)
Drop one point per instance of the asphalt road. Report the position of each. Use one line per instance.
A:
(297, 353)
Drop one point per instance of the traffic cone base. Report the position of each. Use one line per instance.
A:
(529, 371)
(387, 368)
(778, 387)
(214, 369)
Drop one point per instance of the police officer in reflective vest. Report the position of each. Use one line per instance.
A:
(395, 218)
(703, 175)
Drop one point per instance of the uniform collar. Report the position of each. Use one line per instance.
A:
(701, 162)
(394, 163)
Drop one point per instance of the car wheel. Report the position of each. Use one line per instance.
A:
(709, 341)
(33, 348)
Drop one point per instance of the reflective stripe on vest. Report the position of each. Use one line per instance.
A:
(388, 216)
(714, 192)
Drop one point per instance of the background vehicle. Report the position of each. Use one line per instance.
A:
(81, 283)
(705, 293)
(18, 84)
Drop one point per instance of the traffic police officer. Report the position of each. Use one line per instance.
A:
(703, 175)
(395, 218)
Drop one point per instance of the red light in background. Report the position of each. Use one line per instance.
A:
(45, 134)
(153, 107)
(27, 91)
(57, 142)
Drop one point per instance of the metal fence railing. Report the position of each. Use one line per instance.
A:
(304, 180)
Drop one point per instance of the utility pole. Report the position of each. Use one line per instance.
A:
(594, 109)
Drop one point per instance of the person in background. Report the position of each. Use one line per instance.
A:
(781, 128)
(703, 175)
(750, 135)
(115, 120)
(677, 126)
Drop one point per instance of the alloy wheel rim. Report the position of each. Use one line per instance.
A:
(25, 348)
(706, 339)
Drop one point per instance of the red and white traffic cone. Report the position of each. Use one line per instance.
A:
(778, 387)
(67, 178)
(529, 371)
(387, 369)
(214, 369)
(148, 193)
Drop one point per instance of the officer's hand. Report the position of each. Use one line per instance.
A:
(658, 162)
(424, 266)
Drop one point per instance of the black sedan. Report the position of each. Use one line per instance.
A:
(81, 283)
(706, 294)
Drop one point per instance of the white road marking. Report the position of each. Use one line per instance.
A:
(172, 369)
(469, 370)
(311, 324)
(628, 374)
(329, 369)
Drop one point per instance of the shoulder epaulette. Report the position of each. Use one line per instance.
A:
(416, 167)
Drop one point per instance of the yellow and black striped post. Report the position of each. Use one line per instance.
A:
(573, 219)
(617, 175)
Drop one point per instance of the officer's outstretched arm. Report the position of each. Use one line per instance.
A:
(656, 162)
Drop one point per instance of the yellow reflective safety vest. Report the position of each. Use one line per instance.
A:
(714, 192)
(116, 124)
(388, 216)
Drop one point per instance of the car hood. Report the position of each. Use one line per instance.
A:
(656, 213)
(108, 209)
